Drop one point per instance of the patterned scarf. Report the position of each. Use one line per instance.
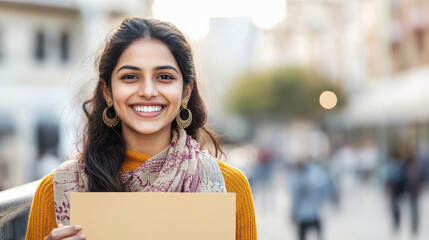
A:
(181, 167)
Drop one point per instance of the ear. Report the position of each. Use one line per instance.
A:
(187, 91)
(106, 90)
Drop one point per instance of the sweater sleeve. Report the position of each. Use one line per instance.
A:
(236, 182)
(42, 214)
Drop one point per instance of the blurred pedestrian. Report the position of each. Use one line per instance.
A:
(265, 162)
(403, 180)
(311, 186)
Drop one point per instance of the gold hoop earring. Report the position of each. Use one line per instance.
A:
(184, 123)
(110, 122)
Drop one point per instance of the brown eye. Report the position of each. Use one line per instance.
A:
(129, 76)
(165, 77)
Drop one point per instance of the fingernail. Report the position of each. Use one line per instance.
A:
(77, 227)
(82, 236)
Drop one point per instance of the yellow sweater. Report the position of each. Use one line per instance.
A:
(42, 214)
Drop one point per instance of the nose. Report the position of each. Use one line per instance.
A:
(147, 89)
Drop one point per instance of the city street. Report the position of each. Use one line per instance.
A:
(363, 214)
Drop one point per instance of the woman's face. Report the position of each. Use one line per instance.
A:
(147, 88)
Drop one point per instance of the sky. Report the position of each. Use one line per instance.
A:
(192, 16)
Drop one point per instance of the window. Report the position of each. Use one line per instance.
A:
(47, 138)
(65, 46)
(40, 48)
(1, 47)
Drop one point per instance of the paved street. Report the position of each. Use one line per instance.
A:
(363, 215)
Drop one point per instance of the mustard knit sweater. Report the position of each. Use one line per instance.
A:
(42, 214)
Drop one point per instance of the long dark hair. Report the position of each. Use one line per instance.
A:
(104, 147)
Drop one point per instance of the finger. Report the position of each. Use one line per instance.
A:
(60, 225)
(76, 237)
(67, 231)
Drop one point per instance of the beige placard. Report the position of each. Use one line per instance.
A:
(154, 216)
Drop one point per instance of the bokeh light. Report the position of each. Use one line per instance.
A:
(328, 100)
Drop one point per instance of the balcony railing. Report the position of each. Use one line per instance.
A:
(15, 204)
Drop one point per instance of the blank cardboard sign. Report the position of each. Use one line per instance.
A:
(154, 216)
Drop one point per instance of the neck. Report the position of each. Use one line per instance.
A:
(150, 144)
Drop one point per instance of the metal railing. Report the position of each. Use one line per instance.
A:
(15, 204)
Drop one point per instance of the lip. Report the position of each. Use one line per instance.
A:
(147, 104)
(147, 114)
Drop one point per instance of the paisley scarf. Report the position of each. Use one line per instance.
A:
(181, 167)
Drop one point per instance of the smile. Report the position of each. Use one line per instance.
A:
(147, 109)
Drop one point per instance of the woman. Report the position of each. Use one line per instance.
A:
(145, 128)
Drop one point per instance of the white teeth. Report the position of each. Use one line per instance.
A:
(148, 108)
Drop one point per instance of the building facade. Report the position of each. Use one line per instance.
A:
(47, 49)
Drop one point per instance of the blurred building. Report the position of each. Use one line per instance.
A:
(44, 45)
(392, 103)
(221, 57)
(377, 50)
(230, 44)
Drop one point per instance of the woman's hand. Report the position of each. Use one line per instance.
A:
(66, 233)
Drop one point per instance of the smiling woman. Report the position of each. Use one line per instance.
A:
(136, 133)
(148, 91)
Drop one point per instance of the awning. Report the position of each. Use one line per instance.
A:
(400, 98)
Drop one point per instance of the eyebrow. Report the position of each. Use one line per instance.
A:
(166, 67)
(128, 67)
(155, 68)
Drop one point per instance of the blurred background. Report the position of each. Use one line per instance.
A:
(321, 103)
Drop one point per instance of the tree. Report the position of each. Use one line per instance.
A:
(280, 94)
